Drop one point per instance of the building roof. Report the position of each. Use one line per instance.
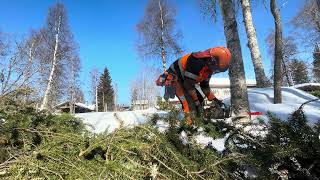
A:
(65, 104)
(88, 106)
(225, 82)
(140, 102)
(175, 99)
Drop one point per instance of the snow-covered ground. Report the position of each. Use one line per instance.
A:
(298, 86)
(261, 100)
(98, 122)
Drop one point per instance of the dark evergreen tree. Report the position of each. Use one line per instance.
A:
(105, 92)
(316, 63)
(299, 71)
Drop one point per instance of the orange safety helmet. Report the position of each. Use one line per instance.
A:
(220, 55)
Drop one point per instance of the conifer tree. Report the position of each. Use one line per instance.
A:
(105, 92)
(299, 71)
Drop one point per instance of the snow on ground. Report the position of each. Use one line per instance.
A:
(162, 126)
(261, 100)
(305, 85)
(98, 122)
(204, 141)
(217, 144)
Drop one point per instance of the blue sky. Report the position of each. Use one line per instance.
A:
(105, 31)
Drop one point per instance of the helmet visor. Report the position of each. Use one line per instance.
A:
(214, 66)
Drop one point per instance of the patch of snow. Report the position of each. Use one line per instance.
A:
(305, 84)
(256, 130)
(184, 138)
(261, 100)
(217, 144)
(99, 122)
(162, 126)
(200, 129)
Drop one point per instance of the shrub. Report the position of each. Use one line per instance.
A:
(316, 93)
(291, 149)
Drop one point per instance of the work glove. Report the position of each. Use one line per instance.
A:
(200, 111)
(161, 79)
(169, 92)
(188, 118)
(219, 102)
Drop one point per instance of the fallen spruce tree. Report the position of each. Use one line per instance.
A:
(40, 145)
(43, 145)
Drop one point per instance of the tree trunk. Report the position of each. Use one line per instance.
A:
(253, 44)
(277, 53)
(103, 103)
(163, 51)
(287, 73)
(45, 100)
(239, 96)
(30, 61)
(97, 110)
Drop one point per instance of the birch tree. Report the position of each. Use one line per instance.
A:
(57, 49)
(289, 52)
(238, 88)
(158, 36)
(18, 66)
(307, 22)
(94, 78)
(74, 86)
(261, 78)
(278, 54)
(28, 51)
(143, 88)
(239, 95)
(133, 92)
(116, 96)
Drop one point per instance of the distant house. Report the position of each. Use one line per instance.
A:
(140, 104)
(221, 86)
(78, 107)
(125, 108)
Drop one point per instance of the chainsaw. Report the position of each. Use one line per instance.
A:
(214, 111)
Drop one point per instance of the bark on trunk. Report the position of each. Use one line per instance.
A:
(278, 52)
(239, 96)
(30, 61)
(103, 103)
(163, 51)
(45, 100)
(287, 73)
(97, 99)
(253, 45)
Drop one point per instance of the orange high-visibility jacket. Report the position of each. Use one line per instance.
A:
(190, 71)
